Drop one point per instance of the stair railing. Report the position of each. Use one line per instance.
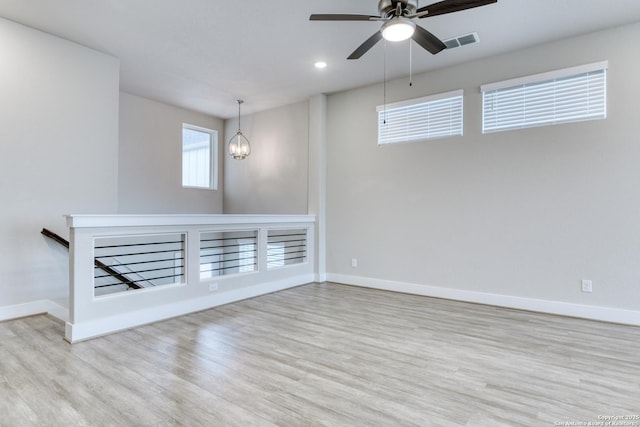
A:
(102, 266)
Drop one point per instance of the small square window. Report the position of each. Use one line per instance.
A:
(199, 157)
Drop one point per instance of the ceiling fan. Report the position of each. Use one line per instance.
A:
(398, 25)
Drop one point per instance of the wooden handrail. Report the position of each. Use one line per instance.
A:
(102, 266)
(53, 236)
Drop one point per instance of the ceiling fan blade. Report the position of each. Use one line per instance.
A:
(364, 47)
(449, 6)
(342, 17)
(428, 41)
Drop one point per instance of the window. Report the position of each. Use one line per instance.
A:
(419, 119)
(562, 96)
(199, 157)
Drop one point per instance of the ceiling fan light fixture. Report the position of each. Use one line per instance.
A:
(398, 29)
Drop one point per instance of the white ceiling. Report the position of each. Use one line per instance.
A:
(205, 54)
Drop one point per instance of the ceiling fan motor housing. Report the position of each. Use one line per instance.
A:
(388, 8)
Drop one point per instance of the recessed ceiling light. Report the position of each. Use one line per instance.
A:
(320, 64)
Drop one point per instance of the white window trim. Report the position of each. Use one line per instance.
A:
(550, 75)
(429, 98)
(213, 170)
(458, 93)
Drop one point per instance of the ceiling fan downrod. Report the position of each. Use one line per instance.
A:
(390, 8)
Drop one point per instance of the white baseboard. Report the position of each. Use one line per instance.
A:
(87, 330)
(32, 308)
(94, 328)
(606, 314)
(58, 311)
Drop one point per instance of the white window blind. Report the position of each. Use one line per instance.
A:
(419, 119)
(569, 95)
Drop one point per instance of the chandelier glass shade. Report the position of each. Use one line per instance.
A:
(239, 147)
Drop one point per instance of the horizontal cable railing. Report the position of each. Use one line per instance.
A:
(155, 260)
(223, 253)
(127, 270)
(286, 247)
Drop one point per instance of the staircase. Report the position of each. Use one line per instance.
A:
(121, 278)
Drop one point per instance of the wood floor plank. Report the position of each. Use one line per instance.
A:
(324, 355)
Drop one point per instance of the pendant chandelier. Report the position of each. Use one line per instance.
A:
(239, 147)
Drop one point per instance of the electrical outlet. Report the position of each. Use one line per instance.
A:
(213, 287)
(354, 262)
(587, 286)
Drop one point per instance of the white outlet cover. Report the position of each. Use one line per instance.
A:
(587, 286)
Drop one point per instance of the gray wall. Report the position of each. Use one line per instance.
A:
(59, 142)
(525, 213)
(273, 179)
(150, 159)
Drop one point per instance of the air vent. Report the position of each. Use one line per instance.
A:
(462, 40)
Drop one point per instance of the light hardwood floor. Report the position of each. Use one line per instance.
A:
(325, 354)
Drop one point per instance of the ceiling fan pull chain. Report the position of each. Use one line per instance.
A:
(384, 84)
(410, 64)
